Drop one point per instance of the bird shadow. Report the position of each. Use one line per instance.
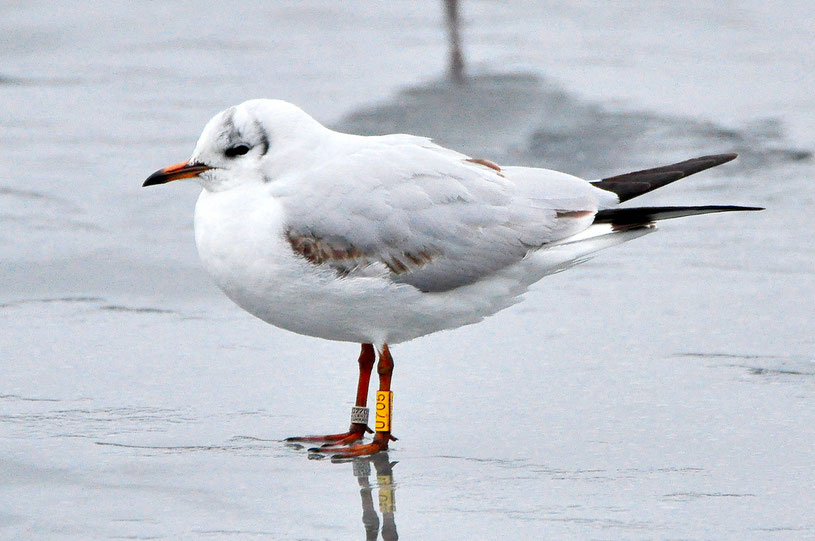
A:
(525, 119)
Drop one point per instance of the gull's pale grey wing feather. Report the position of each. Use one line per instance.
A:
(428, 216)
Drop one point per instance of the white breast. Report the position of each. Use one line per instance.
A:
(241, 242)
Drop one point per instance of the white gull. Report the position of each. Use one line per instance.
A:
(382, 239)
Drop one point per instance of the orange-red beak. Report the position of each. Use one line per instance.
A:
(175, 172)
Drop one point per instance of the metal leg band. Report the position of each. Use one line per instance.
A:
(359, 415)
(362, 468)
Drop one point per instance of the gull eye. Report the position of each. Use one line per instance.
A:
(239, 150)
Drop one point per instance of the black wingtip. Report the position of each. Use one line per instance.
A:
(630, 185)
(646, 215)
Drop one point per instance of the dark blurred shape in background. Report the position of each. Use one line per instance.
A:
(454, 34)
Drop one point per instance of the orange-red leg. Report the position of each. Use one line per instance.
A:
(357, 430)
(380, 442)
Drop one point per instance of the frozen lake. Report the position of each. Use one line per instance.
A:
(663, 390)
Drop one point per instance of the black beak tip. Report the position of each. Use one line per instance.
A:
(156, 178)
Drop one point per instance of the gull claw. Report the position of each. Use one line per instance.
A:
(355, 432)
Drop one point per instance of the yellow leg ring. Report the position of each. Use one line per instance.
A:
(384, 407)
(387, 502)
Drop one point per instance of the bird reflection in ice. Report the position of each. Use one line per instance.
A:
(387, 495)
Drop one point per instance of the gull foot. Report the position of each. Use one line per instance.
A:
(355, 433)
(340, 452)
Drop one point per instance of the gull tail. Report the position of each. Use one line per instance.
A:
(616, 225)
(612, 227)
(631, 185)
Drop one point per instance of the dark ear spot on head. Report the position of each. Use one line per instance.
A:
(264, 138)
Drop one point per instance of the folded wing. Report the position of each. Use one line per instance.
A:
(428, 216)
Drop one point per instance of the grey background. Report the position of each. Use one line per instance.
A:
(661, 391)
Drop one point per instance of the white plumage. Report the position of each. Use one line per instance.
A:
(412, 238)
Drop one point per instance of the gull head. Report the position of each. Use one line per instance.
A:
(250, 143)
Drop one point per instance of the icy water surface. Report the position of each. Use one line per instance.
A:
(662, 391)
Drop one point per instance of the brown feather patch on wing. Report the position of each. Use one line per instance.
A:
(486, 163)
(344, 257)
(574, 213)
(318, 251)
